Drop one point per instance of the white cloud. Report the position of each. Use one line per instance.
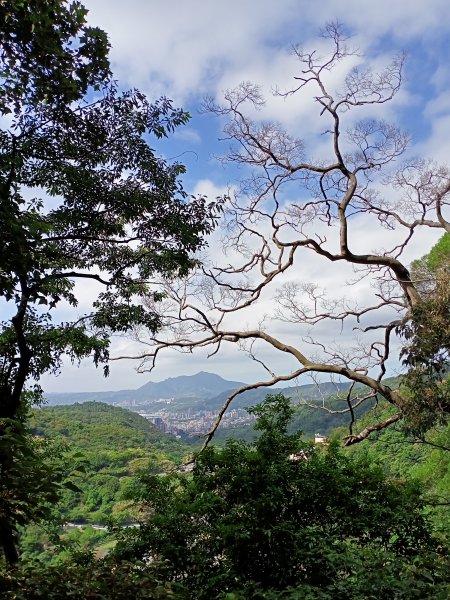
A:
(402, 19)
(182, 49)
(191, 47)
(187, 134)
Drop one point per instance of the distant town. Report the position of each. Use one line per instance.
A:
(189, 405)
(192, 422)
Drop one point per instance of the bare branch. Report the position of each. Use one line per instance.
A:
(294, 214)
(239, 391)
(364, 434)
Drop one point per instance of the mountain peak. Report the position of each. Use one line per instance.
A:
(200, 385)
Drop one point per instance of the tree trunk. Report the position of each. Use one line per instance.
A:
(8, 541)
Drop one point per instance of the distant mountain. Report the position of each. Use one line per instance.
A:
(66, 398)
(203, 391)
(308, 392)
(201, 386)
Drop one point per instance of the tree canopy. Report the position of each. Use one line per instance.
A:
(49, 54)
(83, 198)
(426, 351)
(280, 518)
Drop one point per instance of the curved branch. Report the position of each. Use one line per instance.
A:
(252, 386)
(364, 434)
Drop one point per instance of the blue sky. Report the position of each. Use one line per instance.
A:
(187, 49)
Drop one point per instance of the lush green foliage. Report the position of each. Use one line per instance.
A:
(103, 449)
(101, 580)
(249, 522)
(82, 197)
(31, 479)
(426, 268)
(427, 349)
(425, 460)
(40, 61)
(255, 522)
(96, 428)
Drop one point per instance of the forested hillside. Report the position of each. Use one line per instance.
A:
(98, 427)
(423, 460)
(103, 449)
(309, 418)
(107, 449)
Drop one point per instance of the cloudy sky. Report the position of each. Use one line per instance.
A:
(187, 49)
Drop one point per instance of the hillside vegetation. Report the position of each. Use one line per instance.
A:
(97, 427)
(103, 448)
(308, 416)
(113, 456)
(423, 460)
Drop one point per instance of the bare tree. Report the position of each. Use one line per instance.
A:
(268, 236)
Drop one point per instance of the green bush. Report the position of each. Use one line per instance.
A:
(99, 580)
(254, 522)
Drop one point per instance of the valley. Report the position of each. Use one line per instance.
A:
(106, 452)
(189, 405)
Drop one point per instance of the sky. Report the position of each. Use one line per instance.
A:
(189, 49)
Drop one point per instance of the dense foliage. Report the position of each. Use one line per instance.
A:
(95, 428)
(102, 580)
(102, 449)
(258, 520)
(427, 351)
(252, 521)
(425, 460)
(40, 62)
(31, 480)
(83, 197)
